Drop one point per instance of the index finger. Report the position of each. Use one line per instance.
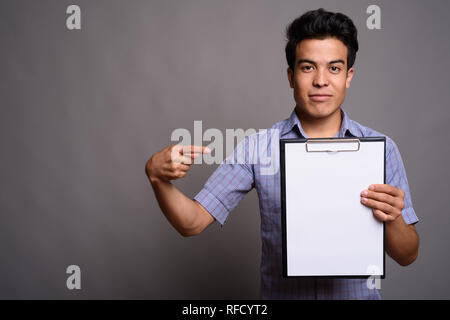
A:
(387, 188)
(195, 149)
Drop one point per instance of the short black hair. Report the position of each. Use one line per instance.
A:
(321, 24)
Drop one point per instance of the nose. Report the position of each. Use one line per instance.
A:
(320, 79)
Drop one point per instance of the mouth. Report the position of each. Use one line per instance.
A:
(320, 97)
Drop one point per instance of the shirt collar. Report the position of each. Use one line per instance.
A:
(347, 127)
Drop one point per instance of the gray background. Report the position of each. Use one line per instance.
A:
(82, 111)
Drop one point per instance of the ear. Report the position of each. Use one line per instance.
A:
(350, 74)
(290, 75)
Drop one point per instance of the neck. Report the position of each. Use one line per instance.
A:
(320, 128)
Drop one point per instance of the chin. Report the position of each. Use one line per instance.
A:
(319, 111)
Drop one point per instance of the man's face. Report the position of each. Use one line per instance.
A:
(320, 77)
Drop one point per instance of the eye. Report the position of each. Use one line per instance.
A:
(335, 69)
(306, 68)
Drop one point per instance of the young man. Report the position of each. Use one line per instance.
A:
(320, 52)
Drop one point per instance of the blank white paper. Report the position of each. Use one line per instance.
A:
(328, 231)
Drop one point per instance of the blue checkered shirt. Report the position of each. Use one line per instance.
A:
(231, 182)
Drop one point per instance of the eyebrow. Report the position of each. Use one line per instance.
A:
(315, 63)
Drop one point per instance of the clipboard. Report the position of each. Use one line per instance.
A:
(326, 231)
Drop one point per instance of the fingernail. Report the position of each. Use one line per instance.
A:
(363, 200)
(371, 188)
(364, 193)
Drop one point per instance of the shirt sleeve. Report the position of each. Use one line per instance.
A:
(228, 184)
(396, 176)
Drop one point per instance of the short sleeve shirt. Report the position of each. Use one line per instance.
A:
(233, 179)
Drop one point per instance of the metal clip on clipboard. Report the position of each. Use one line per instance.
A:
(332, 145)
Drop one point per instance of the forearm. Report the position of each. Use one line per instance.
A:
(181, 211)
(402, 242)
